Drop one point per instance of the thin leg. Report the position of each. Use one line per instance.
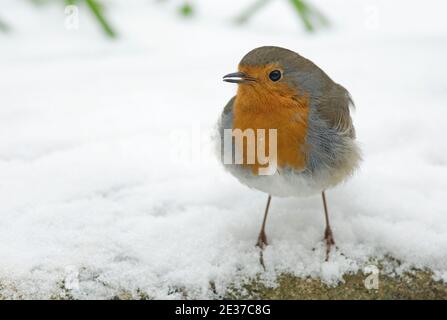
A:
(328, 231)
(262, 239)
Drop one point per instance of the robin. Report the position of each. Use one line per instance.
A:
(315, 144)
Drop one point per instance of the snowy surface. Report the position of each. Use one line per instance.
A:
(107, 181)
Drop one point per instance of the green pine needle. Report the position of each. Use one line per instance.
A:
(251, 10)
(309, 15)
(304, 12)
(97, 12)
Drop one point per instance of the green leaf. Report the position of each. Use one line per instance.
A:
(96, 9)
(251, 10)
(308, 14)
(186, 10)
(304, 12)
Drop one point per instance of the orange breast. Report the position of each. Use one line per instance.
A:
(255, 108)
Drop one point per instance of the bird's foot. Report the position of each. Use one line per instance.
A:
(329, 238)
(262, 243)
(262, 240)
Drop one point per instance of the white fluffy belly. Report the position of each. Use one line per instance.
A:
(284, 183)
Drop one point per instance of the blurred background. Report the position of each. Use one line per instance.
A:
(150, 56)
(98, 99)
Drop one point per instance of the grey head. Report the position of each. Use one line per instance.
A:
(329, 101)
(297, 71)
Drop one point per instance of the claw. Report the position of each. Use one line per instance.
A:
(329, 238)
(262, 241)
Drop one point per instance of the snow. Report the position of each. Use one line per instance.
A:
(108, 181)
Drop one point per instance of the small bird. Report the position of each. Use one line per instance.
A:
(316, 144)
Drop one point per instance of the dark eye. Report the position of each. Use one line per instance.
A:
(275, 75)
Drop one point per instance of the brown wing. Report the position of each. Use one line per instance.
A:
(334, 108)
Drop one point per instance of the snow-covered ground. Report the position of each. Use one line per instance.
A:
(107, 178)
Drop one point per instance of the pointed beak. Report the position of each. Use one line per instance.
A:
(238, 77)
